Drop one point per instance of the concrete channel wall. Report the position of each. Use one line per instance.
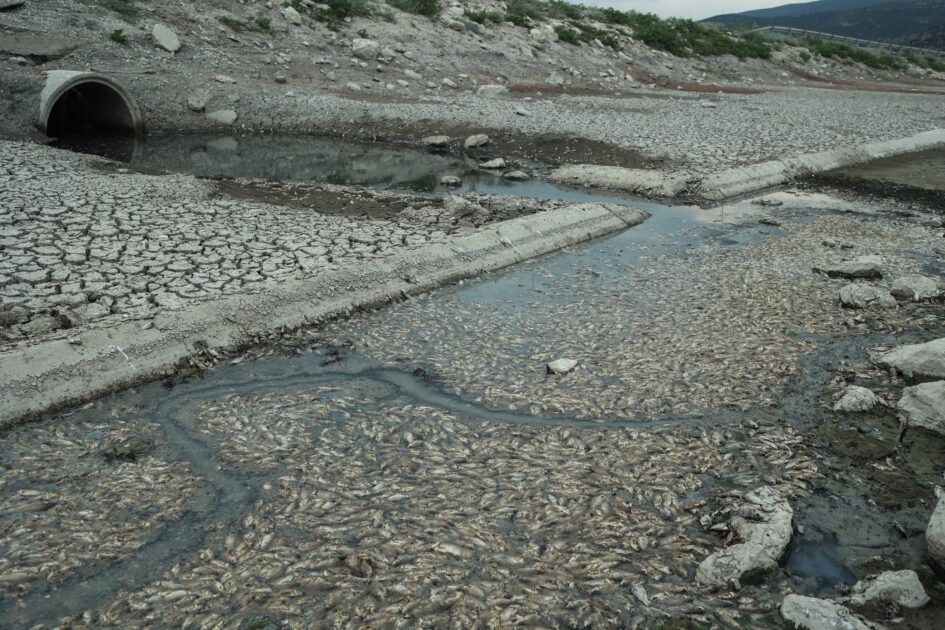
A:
(52, 375)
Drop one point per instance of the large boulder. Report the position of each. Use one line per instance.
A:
(924, 406)
(859, 295)
(857, 398)
(935, 533)
(915, 288)
(476, 140)
(365, 49)
(811, 613)
(901, 588)
(920, 360)
(764, 526)
(868, 267)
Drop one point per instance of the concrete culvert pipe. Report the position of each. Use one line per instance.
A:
(74, 103)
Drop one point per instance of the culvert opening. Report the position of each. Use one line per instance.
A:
(90, 108)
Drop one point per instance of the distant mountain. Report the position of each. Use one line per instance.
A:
(900, 21)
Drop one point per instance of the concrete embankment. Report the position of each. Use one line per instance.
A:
(51, 375)
(740, 180)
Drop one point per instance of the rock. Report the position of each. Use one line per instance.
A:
(770, 221)
(863, 267)
(354, 87)
(223, 78)
(901, 588)
(769, 203)
(859, 295)
(495, 164)
(436, 142)
(766, 535)
(223, 116)
(197, 102)
(492, 91)
(518, 176)
(935, 533)
(450, 180)
(521, 111)
(476, 140)
(456, 25)
(915, 288)
(811, 613)
(43, 46)
(365, 49)
(281, 78)
(292, 16)
(924, 406)
(449, 83)
(542, 35)
(455, 12)
(165, 38)
(402, 83)
(464, 212)
(857, 399)
(835, 244)
(561, 366)
(41, 325)
(21, 61)
(934, 223)
(554, 79)
(925, 360)
(9, 5)
(410, 74)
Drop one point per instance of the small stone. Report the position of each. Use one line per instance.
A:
(811, 613)
(770, 221)
(561, 366)
(476, 140)
(197, 102)
(165, 38)
(448, 83)
(223, 78)
(859, 295)
(450, 180)
(521, 111)
(281, 78)
(223, 116)
(436, 142)
(410, 74)
(292, 16)
(857, 399)
(497, 163)
(923, 405)
(366, 49)
(492, 91)
(354, 87)
(517, 176)
(900, 588)
(456, 25)
(867, 267)
(915, 288)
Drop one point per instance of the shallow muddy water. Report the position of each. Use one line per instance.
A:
(421, 460)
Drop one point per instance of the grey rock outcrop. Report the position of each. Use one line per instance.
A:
(859, 295)
(868, 267)
(924, 360)
(856, 399)
(924, 406)
(935, 533)
(495, 164)
(811, 613)
(901, 588)
(915, 288)
(561, 366)
(292, 16)
(165, 38)
(766, 534)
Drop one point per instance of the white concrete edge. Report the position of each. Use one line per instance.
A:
(51, 375)
(741, 180)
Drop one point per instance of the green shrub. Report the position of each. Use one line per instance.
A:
(481, 17)
(929, 63)
(118, 36)
(805, 56)
(568, 34)
(260, 25)
(878, 60)
(429, 8)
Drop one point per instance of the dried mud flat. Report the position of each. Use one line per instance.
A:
(419, 467)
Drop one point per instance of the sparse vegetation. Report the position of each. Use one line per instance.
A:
(481, 17)
(125, 8)
(260, 25)
(429, 8)
(118, 36)
(874, 59)
(929, 63)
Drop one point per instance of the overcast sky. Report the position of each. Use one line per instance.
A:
(694, 9)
